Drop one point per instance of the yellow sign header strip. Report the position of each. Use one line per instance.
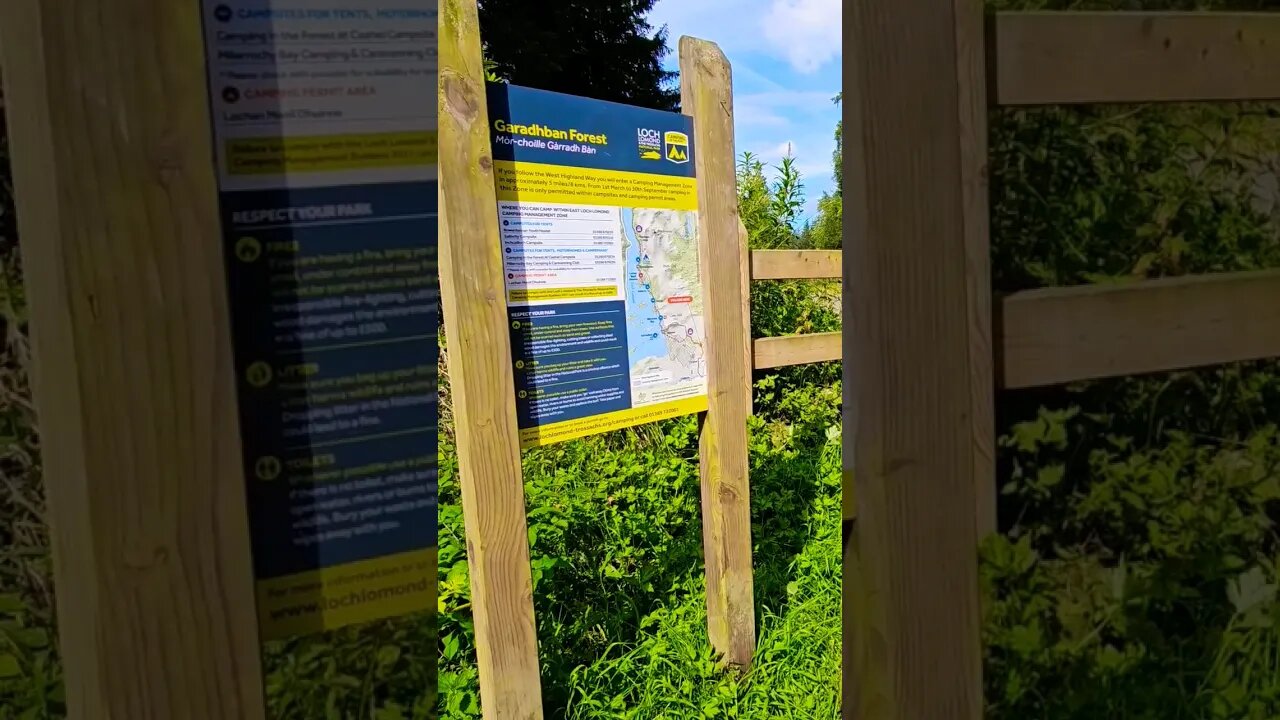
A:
(359, 592)
(331, 153)
(608, 422)
(540, 183)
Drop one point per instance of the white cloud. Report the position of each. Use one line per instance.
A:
(728, 23)
(812, 103)
(815, 174)
(809, 152)
(804, 33)
(807, 33)
(777, 109)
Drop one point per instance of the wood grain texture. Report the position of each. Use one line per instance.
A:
(912, 626)
(795, 264)
(748, 350)
(473, 300)
(706, 93)
(133, 375)
(971, 47)
(1061, 335)
(786, 350)
(1122, 57)
(849, 695)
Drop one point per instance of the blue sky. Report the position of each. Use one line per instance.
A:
(786, 68)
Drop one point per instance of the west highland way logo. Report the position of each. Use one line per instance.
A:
(677, 147)
(650, 142)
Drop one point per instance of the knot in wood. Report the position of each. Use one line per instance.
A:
(143, 559)
(167, 161)
(460, 100)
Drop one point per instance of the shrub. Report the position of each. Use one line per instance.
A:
(1135, 575)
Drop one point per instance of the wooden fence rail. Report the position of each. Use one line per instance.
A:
(776, 352)
(1042, 58)
(795, 264)
(1067, 334)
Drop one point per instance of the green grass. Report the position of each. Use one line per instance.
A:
(670, 673)
(616, 550)
(30, 673)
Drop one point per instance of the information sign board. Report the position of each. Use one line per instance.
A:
(324, 115)
(597, 206)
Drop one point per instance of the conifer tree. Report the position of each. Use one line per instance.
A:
(602, 49)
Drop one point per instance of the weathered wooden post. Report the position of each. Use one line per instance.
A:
(133, 377)
(706, 85)
(473, 298)
(205, 489)
(918, 361)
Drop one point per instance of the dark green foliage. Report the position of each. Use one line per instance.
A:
(603, 49)
(1157, 572)
(827, 230)
(1135, 577)
(380, 671)
(30, 672)
(837, 156)
(616, 547)
(770, 207)
(1103, 194)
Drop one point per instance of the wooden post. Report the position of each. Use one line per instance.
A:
(919, 366)
(744, 247)
(133, 378)
(473, 299)
(706, 93)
